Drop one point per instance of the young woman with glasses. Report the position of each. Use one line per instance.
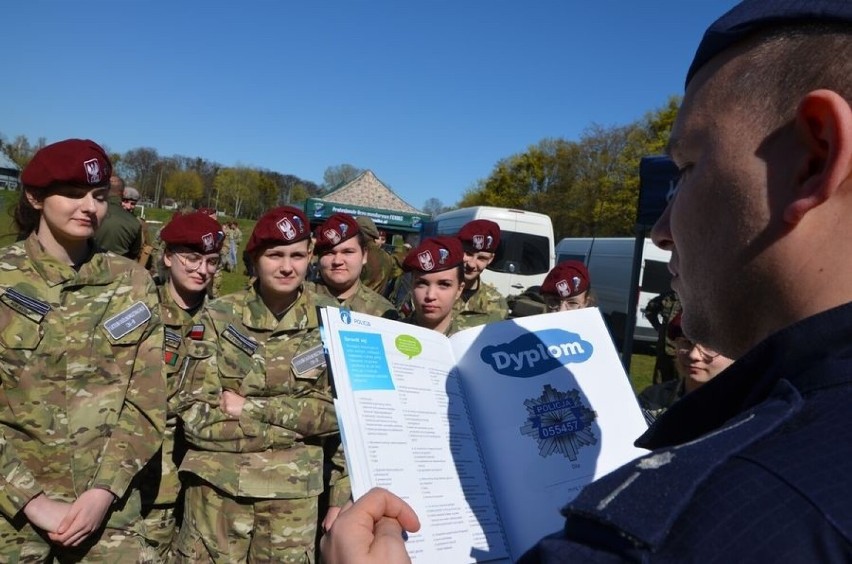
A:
(190, 260)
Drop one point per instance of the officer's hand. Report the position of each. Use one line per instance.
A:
(232, 403)
(370, 530)
(46, 513)
(85, 517)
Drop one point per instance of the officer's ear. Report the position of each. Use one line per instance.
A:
(824, 127)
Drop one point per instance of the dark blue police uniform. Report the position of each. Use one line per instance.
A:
(755, 466)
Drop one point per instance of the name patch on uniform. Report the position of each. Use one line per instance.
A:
(120, 325)
(173, 338)
(308, 360)
(239, 340)
(25, 305)
(197, 332)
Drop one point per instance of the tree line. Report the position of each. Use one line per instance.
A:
(589, 187)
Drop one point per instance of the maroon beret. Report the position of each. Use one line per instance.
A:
(279, 226)
(195, 230)
(337, 228)
(480, 235)
(566, 279)
(434, 255)
(75, 162)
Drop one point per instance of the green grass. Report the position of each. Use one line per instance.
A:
(641, 370)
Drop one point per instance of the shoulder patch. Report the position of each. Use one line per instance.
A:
(25, 305)
(245, 344)
(123, 323)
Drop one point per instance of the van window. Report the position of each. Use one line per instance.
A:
(520, 253)
(568, 256)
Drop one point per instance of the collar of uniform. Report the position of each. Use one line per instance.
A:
(790, 354)
(170, 312)
(300, 315)
(56, 272)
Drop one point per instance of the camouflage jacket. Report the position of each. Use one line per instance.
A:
(484, 305)
(160, 484)
(275, 448)
(379, 270)
(83, 401)
(364, 300)
(657, 398)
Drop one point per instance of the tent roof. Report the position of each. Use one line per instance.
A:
(366, 190)
(6, 162)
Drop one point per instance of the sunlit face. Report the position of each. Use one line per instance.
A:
(698, 364)
(434, 295)
(557, 303)
(474, 263)
(340, 267)
(720, 226)
(281, 269)
(71, 213)
(190, 271)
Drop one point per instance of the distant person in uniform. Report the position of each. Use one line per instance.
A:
(480, 302)
(191, 256)
(120, 231)
(260, 420)
(82, 394)
(754, 466)
(567, 286)
(436, 267)
(696, 365)
(379, 269)
(341, 249)
(129, 200)
(659, 312)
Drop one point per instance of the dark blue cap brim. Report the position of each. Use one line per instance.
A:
(751, 15)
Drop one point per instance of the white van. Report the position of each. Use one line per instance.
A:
(526, 251)
(610, 264)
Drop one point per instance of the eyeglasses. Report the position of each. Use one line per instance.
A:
(193, 261)
(684, 347)
(567, 304)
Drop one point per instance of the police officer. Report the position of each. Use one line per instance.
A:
(480, 301)
(83, 395)
(436, 267)
(341, 247)
(190, 259)
(258, 423)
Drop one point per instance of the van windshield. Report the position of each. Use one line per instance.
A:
(520, 253)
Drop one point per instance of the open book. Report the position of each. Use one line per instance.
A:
(487, 433)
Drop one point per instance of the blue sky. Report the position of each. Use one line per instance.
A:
(429, 95)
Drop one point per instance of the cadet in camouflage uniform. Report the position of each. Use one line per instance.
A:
(258, 426)
(437, 278)
(480, 302)
(567, 287)
(380, 267)
(83, 395)
(341, 248)
(659, 312)
(192, 244)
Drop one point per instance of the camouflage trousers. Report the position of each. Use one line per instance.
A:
(160, 525)
(220, 528)
(20, 542)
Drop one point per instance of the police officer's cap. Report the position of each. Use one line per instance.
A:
(753, 15)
